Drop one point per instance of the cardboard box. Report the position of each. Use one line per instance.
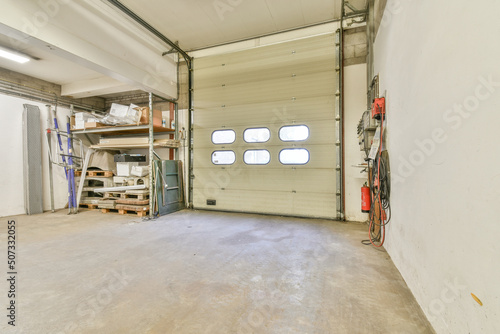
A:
(85, 123)
(91, 125)
(72, 123)
(145, 117)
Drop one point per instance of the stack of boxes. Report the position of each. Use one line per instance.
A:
(84, 120)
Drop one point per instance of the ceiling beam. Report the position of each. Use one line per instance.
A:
(95, 36)
(94, 87)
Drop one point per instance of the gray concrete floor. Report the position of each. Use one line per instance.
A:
(204, 272)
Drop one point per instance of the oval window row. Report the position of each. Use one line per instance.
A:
(261, 135)
(287, 156)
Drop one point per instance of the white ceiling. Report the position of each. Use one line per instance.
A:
(200, 23)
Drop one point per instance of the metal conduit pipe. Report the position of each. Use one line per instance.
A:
(150, 28)
(190, 138)
(188, 60)
(341, 88)
(369, 47)
(17, 90)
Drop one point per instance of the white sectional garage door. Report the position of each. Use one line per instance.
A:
(243, 103)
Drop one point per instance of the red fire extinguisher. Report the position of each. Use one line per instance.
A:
(366, 202)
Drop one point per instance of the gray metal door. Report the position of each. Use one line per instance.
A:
(169, 187)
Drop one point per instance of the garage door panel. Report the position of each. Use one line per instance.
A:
(315, 204)
(320, 132)
(321, 156)
(247, 179)
(275, 113)
(247, 201)
(311, 180)
(280, 51)
(282, 90)
(291, 83)
(273, 90)
(235, 75)
(303, 205)
(288, 180)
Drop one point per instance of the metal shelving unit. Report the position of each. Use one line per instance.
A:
(132, 130)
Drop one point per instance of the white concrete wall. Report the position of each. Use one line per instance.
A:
(11, 151)
(439, 63)
(354, 106)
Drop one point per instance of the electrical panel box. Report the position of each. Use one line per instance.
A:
(366, 131)
(366, 140)
(369, 123)
(378, 108)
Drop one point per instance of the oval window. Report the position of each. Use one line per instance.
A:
(257, 135)
(294, 156)
(223, 157)
(257, 157)
(223, 137)
(294, 133)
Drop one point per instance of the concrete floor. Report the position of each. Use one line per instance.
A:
(204, 272)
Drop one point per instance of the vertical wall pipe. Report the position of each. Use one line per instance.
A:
(151, 157)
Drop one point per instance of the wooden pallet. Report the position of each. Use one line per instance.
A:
(109, 211)
(132, 201)
(140, 210)
(95, 173)
(89, 206)
(113, 195)
(135, 196)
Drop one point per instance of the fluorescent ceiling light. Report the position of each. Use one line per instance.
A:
(14, 56)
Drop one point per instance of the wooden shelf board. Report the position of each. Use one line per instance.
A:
(129, 146)
(122, 130)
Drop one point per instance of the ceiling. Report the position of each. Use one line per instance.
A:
(195, 24)
(46, 66)
(199, 24)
